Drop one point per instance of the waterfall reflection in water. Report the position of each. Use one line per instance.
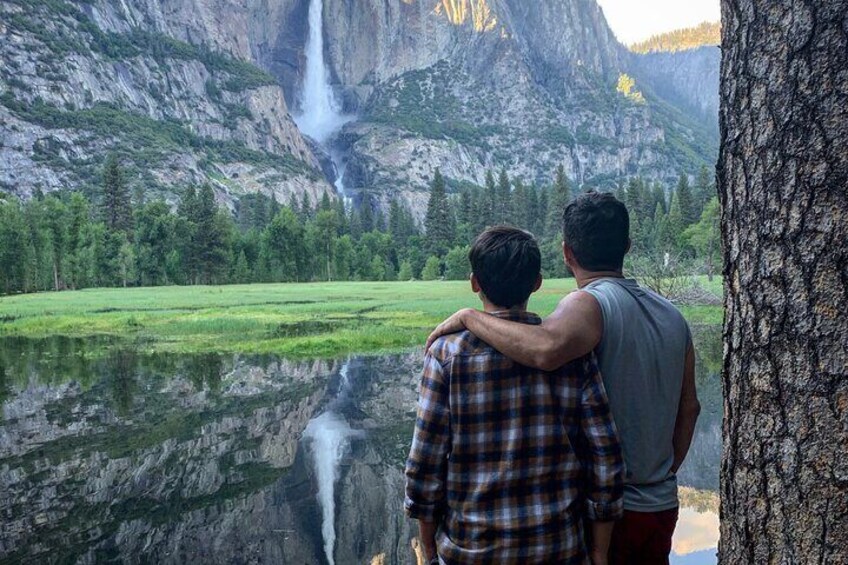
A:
(330, 437)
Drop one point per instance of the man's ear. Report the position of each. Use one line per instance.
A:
(629, 246)
(538, 284)
(568, 256)
(475, 285)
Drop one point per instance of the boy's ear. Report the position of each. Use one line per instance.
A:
(475, 285)
(538, 284)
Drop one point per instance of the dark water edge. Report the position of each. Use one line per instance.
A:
(107, 453)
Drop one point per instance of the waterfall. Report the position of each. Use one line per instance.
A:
(320, 116)
(330, 437)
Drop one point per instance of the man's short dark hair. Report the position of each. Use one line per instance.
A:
(507, 263)
(596, 226)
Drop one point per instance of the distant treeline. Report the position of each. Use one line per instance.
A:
(64, 240)
(707, 33)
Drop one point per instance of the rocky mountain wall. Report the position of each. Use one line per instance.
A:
(191, 91)
(689, 78)
(169, 85)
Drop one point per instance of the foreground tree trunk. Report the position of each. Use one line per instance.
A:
(783, 184)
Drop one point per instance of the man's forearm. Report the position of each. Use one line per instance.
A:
(427, 533)
(524, 344)
(687, 412)
(684, 430)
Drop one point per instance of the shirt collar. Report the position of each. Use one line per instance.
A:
(515, 316)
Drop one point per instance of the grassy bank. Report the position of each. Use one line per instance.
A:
(295, 320)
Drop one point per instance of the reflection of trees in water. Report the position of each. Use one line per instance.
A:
(121, 370)
(205, 371)
(707, 340)
(701, 469)
(4, 382)
(58, 360)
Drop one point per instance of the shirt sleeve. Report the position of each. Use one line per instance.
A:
(426, 467)
(604, 460)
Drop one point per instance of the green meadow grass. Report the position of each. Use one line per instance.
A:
(294, 320)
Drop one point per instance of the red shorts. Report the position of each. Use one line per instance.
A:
(643, 538)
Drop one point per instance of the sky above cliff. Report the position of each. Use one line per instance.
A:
(637, 20)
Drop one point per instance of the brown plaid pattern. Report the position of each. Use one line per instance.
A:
(508, 459)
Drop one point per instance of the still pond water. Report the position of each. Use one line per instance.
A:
(107, 454)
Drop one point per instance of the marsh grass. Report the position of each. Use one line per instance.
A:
(293, 320)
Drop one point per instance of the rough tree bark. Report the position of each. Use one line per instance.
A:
(783, 184)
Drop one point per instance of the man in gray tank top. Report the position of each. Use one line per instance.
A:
(646, 358)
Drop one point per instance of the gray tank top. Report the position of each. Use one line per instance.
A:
(642, 355)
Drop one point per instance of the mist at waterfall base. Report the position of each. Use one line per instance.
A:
(330, 435)
(321, 116)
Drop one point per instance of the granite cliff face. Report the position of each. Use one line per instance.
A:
(169, 85)
(473, 85)
(202, 90)
(688, 78)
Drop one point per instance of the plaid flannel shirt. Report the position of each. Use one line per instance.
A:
(509, 459)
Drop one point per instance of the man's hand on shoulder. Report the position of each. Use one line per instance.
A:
(452, 325)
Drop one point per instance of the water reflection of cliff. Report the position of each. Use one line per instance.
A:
(106, 453)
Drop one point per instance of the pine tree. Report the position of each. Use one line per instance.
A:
(659, 237)
(686, 201)
(241, 269)
(503, 208)
(520, 213)
(465, 216)
(116, 204)
(341, 214)
(704, 190)
(326, 227)
(185, 234)
(78, 210)
(325, 203)
(534, 211)
(284, 241)
(658, 197)
(56, 215)
(439, 221)
(490, 204)
(395, 220)
(13, 248)
(673, 224)
(559, 198)
(543, 208)
(273, 209)
(209, 237)
(154, 239)
(366, 214)
(305, 208)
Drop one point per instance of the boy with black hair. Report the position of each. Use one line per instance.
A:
(507, 461)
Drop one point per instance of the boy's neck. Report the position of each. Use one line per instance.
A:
(490, 308)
